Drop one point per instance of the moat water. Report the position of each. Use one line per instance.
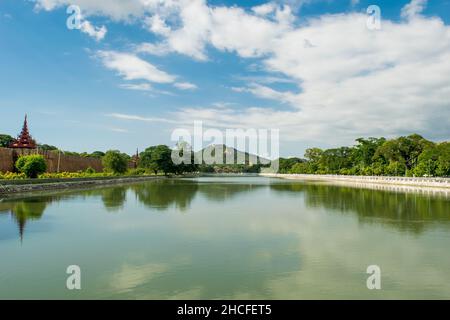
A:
(226, 238)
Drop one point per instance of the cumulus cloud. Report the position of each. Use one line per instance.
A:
(264, 9)
(413, 8)
(157, 25)
(98, 33)
(131, 67)
(350, 81)
(118, 10)
(185, 86)
(160, 49)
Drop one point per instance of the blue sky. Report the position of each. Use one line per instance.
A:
(311, 69)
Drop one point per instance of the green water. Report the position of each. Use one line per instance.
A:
(226, 238)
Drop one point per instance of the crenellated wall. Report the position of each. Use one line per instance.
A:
(66, 162)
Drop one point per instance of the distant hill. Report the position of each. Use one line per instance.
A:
(240, 158)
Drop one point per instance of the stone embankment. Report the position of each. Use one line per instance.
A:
(25, 186)
(394, 181)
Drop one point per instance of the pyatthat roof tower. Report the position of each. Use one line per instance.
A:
(24, 140)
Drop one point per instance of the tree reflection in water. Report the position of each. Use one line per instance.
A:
(412, 212)
(405, 211)
(162, 194)
(24, 210)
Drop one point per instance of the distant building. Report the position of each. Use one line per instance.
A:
(24, 140)
(135, 159)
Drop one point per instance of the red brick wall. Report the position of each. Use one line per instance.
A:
(66, 162)
(6, 160)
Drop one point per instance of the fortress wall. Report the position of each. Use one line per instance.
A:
(67, 163)
(6, 160)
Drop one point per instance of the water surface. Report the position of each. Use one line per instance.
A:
(226, 238)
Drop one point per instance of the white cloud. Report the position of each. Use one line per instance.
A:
(157, 25)
(98, 33)
(185, 86)
(132, 117)
(413, 8)
(267, 93)
(118, 10)
(159, 49)
(138, 87)
(351, 81)
(264, 9)
(131, 67)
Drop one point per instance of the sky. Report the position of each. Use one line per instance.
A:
(132, 71)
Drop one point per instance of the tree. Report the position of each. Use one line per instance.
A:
(115, 162)
(32, 165)
(443, 162)
(365, 150)
(333, 160)
(404, 150)
(313, 154)
(285, 165)
(158, 158)
(396, 168)
(47, 147)
(5, 140)
(427, 162)
(188, 164)
(97, 154)
(301, 168)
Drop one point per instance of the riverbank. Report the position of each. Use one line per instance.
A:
(361, 181)
(27, 186)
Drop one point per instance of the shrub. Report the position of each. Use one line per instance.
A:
(137, 172)
(12, 176)
(70, 175)
(31, 165)
(115, 162)
(90, 170)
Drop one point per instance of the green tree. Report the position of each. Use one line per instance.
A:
(313, 156)
(301, 168)
(443, 161)
(31, 166)
(97, 154)
(427, 162)
(404, 150)
(188, 165)
(285, 165)
(157, 159)
(364, 151)
(333, 160)
(396, 168)
(115, 161)
(5, 140)
(47, 147)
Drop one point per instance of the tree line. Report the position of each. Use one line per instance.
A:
(410, 155)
